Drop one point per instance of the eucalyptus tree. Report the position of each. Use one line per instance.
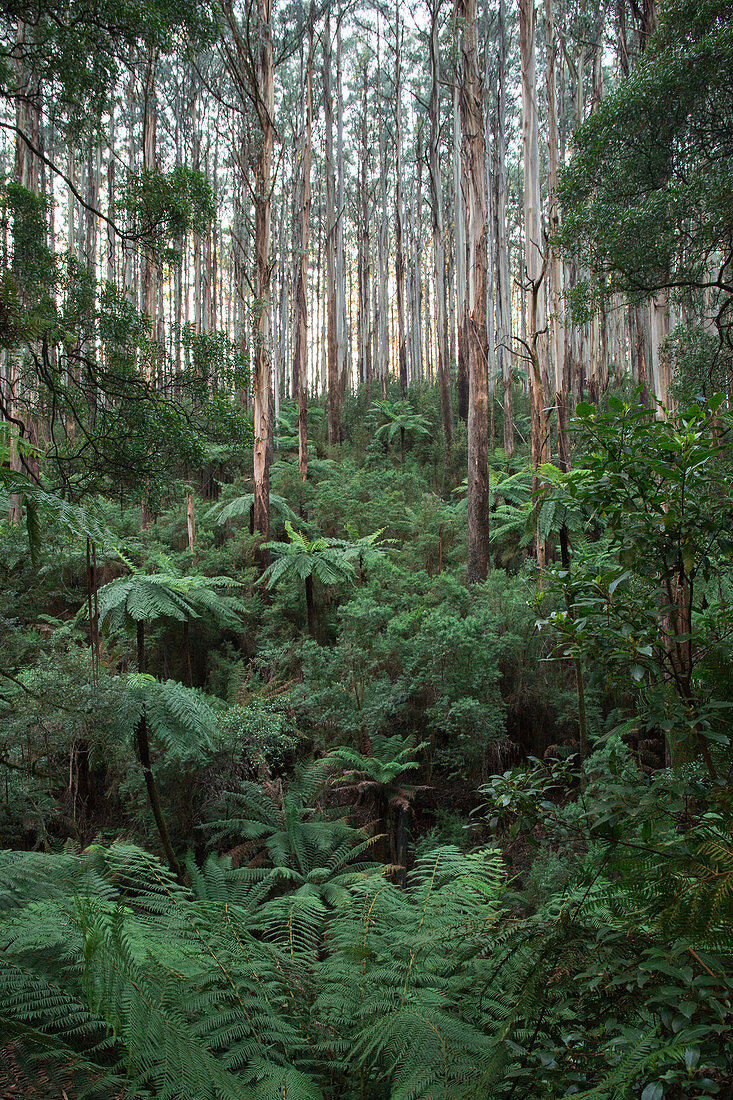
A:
(248, 54)
(501, 241)
(473, 157)
(332, 218)
(300, 360)
(436, 207)
(398, 209)
(535, 261)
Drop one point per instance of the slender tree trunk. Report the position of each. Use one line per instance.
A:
(399, 227)
(310, 607)
(474, 173)
(460, 243)
(535, 254)
(555, 289)
(342, 356)
(191, 521)
(503, 296)
(436, 197)
(262, 374)
(111, 242)
(150, 164)
(365, 342)
(383, 362)
(334, 390)
(300, 367)
(143, 749)
(27, 174)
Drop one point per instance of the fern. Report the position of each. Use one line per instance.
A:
(184, 720)
(254, 982)
(241, 506)
(142, 597)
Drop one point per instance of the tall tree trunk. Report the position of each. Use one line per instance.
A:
(399, 226)
(191, 521)
(555, 289)
(27, 174)
(460, 243)
(365, 343)
(150, 164)
(334, 389)
(474, 172)
(503, 295)
(300, 366)
(111, 242)
(436, 204)
(383, 240)
(535, 256)
(342, 356)
(262, 380)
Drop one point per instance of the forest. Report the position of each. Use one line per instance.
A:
(366, 549)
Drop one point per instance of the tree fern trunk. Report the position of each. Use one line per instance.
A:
(310, 606)
(143, 749)
(401, 846)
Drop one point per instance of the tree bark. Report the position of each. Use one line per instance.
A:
(363, 324)
(535, 255)
(310, 607)
(503, 290)
(191, 521)
(460, 240)
(300, 366)
(334, 389)
(473, 153)
(143, 749)
(262, 374)
(555, 289)
(436, 197)
(150, 164)
(399, 227)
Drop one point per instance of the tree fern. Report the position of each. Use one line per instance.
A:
(141, 597)
(242, 506)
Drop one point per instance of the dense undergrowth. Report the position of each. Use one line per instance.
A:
(424, 840)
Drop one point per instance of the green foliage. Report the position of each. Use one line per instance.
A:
(650, 895)
(389, 759)
(397, 421)
(163, 206)
(198, 987)
(182, 720)
(243, 505)
(414, 652)
(645, 197)
(261, 729)
(303, 559)
(660, 489)
(77, 52)
(140, 597)
(287, 843)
